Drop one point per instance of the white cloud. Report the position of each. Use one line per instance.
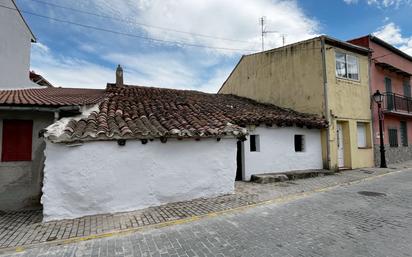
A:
(222, 19)
(351, 1)
(88, 58)
(161, 69)
(68, 72)
(392, 34)
(382, 3)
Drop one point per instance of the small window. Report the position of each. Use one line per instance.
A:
(362, 138)
(347, 66)
(254, 143)
(299, 143)
(393, 137)
(404, 133)
(17, 140)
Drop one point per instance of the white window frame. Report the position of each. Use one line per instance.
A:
(362, 136)
(347, 56)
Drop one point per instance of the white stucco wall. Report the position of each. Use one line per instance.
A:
(15, 43)
(102, 177)
(277, 151)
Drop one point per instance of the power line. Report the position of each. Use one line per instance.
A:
(137, 23)
(127, 34)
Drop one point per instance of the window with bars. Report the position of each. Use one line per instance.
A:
(404, 133)
(393, 137)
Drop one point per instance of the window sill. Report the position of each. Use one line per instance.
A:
(354, 81)
(367, 147)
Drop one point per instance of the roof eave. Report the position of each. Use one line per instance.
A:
(345, 45)
(385, 44)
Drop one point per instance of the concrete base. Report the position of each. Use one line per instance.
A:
(290, 175)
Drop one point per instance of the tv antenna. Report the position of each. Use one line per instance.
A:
(262, 21)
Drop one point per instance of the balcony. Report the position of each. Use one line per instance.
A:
(397, 104)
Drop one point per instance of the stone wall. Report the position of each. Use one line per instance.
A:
(394, 154)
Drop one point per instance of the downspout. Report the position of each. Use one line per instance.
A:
(371, 105)
(325, 95)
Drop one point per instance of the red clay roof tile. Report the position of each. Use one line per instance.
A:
(51, 96)
(144, 112)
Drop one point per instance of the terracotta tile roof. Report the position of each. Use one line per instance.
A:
(51, 96)
(143, 112)
(39, 79)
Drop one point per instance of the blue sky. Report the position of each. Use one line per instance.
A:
(74, 56)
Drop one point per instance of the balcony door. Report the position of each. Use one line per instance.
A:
(390, 96)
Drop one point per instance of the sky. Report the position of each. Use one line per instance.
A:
(189, 44)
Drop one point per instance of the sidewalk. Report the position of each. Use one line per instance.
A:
(25, 228)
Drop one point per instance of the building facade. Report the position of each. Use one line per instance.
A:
(391, 71)
(15, 45)
(322, 76)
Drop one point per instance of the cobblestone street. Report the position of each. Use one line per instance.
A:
(371, 218)
(25, 228)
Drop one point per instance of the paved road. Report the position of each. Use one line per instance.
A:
(340, 222)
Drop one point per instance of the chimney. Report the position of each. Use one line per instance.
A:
(119, 76)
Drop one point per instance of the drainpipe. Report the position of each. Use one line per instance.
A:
(325, 95)
(372, 106)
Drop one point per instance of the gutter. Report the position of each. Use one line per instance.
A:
(325, 95)
(55, 110)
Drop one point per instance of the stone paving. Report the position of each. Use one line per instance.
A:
(372, 218)
(25, 228)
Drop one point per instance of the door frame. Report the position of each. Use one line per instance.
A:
(240, 160)
(340, 137)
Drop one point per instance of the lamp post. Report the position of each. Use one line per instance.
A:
(378, 98)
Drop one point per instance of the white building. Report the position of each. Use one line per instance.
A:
(148, 146)
(15, 44)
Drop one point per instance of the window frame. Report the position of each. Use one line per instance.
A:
(346, 76)
(393, 142)
(365, 134)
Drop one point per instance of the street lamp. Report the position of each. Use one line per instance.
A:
(378, 98)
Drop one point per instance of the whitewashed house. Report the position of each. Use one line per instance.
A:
(15, 45)
(145, 146)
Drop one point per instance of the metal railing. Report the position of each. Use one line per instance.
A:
(397, 103)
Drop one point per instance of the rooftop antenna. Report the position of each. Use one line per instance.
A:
(262, 21)
(262, 25)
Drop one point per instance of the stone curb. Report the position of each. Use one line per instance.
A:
(277, 200)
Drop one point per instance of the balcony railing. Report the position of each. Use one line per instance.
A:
(397, 103)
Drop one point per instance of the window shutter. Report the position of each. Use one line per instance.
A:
(393, 137)
(404, 133)
(17, 140)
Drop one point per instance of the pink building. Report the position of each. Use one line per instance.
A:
(390, 73)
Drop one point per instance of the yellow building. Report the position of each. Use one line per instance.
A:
(322, 76)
